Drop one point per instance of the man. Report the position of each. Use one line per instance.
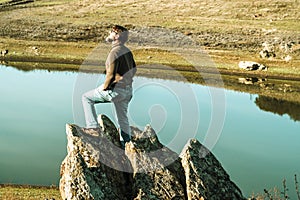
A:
(117, 87)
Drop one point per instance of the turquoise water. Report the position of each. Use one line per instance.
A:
(257, 148)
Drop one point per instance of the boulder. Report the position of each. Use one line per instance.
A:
(205, 176)
(157, 171)
(268, 51)
(96, 167)
(4, 52)
(267, 54)
(250, 65)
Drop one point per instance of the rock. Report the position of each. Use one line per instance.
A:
(4, 52)
(288, 58)
(286, 47)
(279, 48)
(157, 172)
(205, 176)
(267, 54)
(188, 33)
(250, 65)
(97, 168)
(268, 51)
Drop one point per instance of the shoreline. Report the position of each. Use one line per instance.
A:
(80, 52)
(74, 64)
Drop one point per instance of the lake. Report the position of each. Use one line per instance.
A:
(258, 148)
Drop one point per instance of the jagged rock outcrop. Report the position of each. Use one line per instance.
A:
(157, 171)
(96, 167)
(205, 176)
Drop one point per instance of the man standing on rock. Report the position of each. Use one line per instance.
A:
(117, 87)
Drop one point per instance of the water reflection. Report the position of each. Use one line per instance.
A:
(279, 106)
(268, 100)
(251, 80)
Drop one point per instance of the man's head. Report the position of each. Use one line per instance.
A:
(118, 33)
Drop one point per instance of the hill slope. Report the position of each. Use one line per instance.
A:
(218, 23)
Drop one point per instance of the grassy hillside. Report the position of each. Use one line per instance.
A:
(241, 18)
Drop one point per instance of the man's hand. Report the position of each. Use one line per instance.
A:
(118, 77)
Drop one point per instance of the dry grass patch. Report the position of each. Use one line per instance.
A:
(11, 192)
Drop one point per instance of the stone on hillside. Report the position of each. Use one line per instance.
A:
(267, 54)
(205, 176)
(4, 52)
(250, 65)
(268, 51)
(288, 58)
